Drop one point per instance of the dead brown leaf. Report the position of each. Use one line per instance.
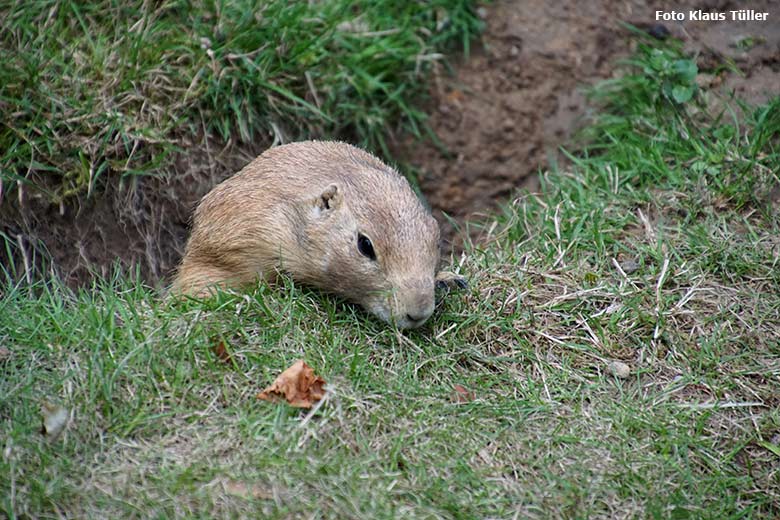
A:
(5, 353)
(297, 385)
(462, 395)
(220, 349)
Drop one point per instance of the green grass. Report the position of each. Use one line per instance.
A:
(657, 248)
(95, 92)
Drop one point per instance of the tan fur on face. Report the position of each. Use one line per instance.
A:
(298, 208)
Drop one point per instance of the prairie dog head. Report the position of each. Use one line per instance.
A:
(382, 247)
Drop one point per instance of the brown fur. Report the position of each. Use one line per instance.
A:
(298, 208)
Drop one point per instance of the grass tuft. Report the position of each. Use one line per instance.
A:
(99, 92)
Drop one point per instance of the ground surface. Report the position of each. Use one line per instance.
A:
(519, 96)
(616, 355)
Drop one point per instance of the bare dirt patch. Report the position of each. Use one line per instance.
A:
(518, 97)
(141, 222)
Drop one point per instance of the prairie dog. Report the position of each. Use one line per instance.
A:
(331, 216)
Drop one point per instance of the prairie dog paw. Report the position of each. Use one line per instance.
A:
(446, 280)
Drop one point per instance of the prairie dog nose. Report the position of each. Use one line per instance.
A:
(420, 309)
(414, 318)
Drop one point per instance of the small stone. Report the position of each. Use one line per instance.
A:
(55, 419)
(658, 31)
(629, 266)
(619, 369)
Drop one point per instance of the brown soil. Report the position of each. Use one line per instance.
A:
(142, 223)
(500, 118)
(519, 96)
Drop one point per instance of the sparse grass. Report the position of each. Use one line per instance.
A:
(658, 248)
(92, 92)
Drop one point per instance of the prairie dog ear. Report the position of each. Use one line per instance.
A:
(329, 199)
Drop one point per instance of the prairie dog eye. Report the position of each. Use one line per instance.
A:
(365, 246)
